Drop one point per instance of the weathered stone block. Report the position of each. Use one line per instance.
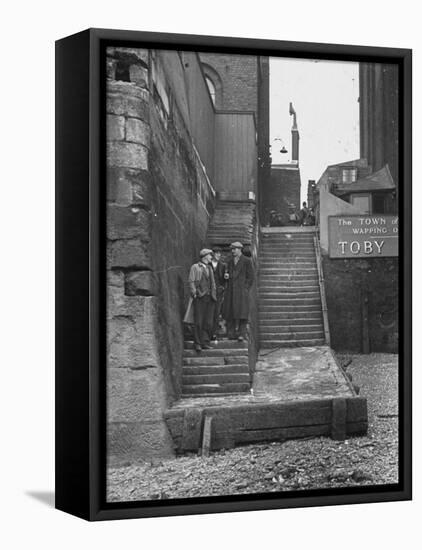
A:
(133, 441)
(127, 186)
(130, 155)
(131, 336)
(126, 89)
(129, 253)
(139, 75)
(115, 127)
(116, 278)
(127, 99)
(138, 131)
(126, 222)
(140, 283)
(140, 309)
(129, 54)
(135, 395)
(111, 68)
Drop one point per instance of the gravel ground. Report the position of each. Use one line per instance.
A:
(292, 465)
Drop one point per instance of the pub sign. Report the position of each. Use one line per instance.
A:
(363, 236)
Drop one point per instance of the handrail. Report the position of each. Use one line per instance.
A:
(322, 291)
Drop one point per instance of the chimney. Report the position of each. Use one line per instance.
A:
(295, 136)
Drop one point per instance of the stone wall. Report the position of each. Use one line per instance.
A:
(356, 289)
(159, 201)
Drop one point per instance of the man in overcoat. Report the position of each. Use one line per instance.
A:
(219, 270)
(203, 293)
(236, 300)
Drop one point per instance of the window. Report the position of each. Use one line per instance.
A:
(122, 71)
(378, 203)
(362, 201)
(349, 175)
(211, 88)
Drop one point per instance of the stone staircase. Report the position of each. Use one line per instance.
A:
(221, 370)
(232, 221)
(290, 310)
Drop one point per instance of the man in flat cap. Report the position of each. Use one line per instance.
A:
(236, 300)
(203, 293)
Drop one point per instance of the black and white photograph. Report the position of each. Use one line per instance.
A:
(209, 237)
(252, 274)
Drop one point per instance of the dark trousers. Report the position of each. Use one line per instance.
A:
(203, 314)
(217, 311)
(236, 327)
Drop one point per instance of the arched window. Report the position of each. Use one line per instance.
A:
(214, 84)
(211, 88)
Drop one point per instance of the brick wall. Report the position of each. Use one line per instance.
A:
(158, 207)
(239, 79)
(348, 283)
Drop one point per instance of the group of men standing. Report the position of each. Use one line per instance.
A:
(219, 288)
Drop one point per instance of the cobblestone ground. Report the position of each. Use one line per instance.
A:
(292, 465)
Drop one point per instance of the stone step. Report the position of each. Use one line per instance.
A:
(221, 379)
(287, 272)
(216, 353)
(203, 389)
(270, 254)
(221, 222)
(289, 295)
(271, 309)
(294, 279)
(289, 317)
(292, 332)
(289, 283)
(310, 335)
(287, 262)
(289, 237)
(220, 394)
(222, 360)
(215, 369)
(222, 344)
(286, 251)
(223, 231)
(269, 344)
(275, 243)
(282, 303)
(286, 258)
(287, 289)
(296, 323)
(284, 261)
(290, 299)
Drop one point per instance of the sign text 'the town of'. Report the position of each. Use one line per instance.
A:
(369, 236)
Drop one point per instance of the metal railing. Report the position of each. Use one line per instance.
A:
(322, 290)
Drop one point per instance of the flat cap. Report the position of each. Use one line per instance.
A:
(237, 244)
(204, 252)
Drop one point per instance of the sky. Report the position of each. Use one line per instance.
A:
(325, 97)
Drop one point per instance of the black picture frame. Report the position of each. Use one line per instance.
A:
(80, 276)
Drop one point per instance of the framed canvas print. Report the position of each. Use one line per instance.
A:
(233, 288)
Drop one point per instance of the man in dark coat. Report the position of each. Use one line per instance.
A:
(236, 301)
(219, 269)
